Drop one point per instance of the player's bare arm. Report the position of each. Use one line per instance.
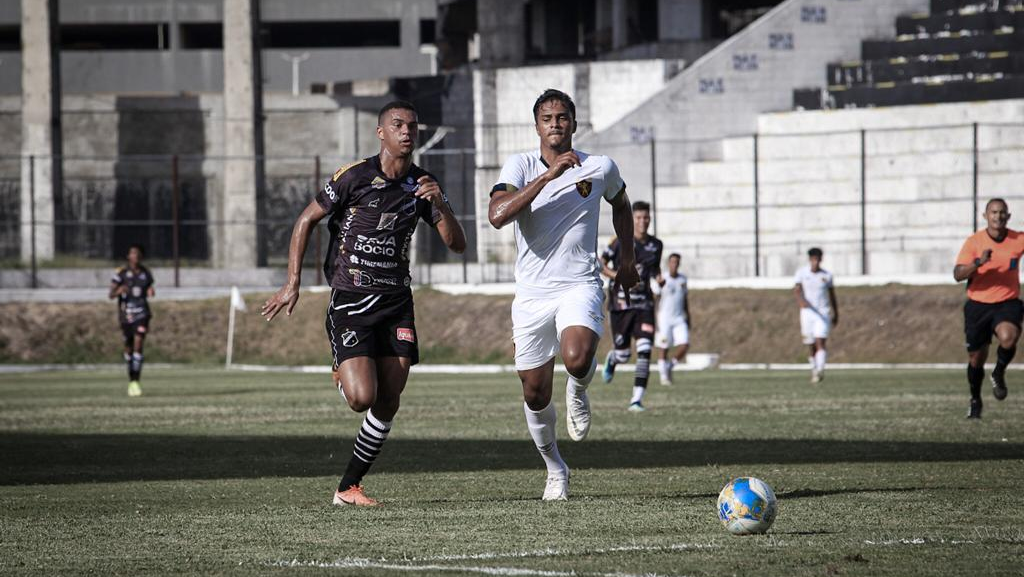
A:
(117, 290)
(798, 290)
(448, 227)
(835, 305)
(963, 272)
(505, 205)
(622, 219)
(288, 296)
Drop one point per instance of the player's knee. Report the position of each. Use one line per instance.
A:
(577, 363)
(360, 400)
(537, 398)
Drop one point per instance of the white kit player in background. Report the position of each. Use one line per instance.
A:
(819, 311)
(673, 319)
(554, 196)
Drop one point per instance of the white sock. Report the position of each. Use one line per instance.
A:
(810, 361)
(582, 384)
(542, 428)
(664, 368)
(638, 394)
(819, 359)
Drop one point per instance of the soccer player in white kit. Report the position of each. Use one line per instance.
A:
(819, 311)
(673, 319)
(553, 195)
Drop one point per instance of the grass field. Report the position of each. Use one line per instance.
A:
(877, 473)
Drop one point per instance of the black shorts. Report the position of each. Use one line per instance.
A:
(130, 329)
(631, 323)
(371, 325)
(980, 320)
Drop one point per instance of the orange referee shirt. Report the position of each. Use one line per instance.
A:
(997, 280)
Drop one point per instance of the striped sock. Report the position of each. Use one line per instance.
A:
(368, 444)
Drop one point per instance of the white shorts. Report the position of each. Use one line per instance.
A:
(813, 325)
(671, 334)
(538, 321)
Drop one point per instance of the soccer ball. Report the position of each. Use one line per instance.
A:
(747, 505)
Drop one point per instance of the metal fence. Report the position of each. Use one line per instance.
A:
(754, 187)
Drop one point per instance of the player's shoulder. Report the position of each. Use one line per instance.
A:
(523, 159)
(351, 170)
(656, 241)
(118, 273)
(587, 159)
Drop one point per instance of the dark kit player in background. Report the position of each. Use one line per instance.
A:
(632, 313)
(374, 206)
(132, 285)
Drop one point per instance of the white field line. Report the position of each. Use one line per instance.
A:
(559, 553)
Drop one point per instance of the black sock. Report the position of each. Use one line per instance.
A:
(1003, 358)
(975, 375)
(369, 442)
(643, 368)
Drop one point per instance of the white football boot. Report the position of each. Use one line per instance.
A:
(557, 487)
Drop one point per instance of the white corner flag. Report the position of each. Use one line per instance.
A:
(237, 304)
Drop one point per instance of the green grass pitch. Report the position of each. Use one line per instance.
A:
(215, 472)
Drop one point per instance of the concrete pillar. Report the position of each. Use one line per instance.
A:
(502, 31)
(620, 23)
(40, 125)
(241, 242)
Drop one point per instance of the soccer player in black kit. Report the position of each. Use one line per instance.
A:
(132, 285)
(374, 205)
(632, 313)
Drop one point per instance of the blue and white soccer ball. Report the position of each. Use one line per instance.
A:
(746, 506)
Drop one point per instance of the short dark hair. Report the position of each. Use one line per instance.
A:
(815, 251)
(552, 94)
(138, 246)
(395, 105)
(675, 255)
(996, 199)
(642, 205)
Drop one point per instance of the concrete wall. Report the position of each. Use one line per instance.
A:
(918, 189)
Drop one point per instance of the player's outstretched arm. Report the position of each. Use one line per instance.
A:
(448, 227)
(288, 296)
(622, 219)
(962, 272)
(505, 205)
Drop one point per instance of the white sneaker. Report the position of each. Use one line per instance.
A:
(636, 407)
(815, 376)
(577, 412)
(557, 487)
(666, 376)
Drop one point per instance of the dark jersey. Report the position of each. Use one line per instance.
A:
(372, 221)
(132, 305)
(648, 266)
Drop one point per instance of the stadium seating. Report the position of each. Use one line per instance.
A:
(964, 50)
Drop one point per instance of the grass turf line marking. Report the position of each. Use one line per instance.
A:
(559, 553)
(349, 563)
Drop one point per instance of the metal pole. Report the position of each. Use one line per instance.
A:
(316, 240)
(863, 203)
(32, 216)
(654, 188)
(974, 162)
(465, 207)
(757, 215)
(176, 218)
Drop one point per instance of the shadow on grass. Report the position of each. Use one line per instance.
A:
(34, 458)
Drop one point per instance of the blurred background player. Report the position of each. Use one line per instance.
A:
(632, 314)
(374, 205)
(990, 263)
(819, 311)
(673, 319)
(553, 195)
(132, 286)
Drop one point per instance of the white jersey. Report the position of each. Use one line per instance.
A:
(556, 236)
(673, 297)
(815, 287)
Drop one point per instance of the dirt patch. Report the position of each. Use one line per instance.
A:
(893, 323)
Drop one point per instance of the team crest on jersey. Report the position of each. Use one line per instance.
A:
(387, 221)
(584, 187)
(378, 183)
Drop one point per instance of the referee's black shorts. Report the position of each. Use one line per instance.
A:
(981, 319)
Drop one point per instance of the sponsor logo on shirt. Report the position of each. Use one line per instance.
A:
(361, 278)
(378, 183)
(404, 334)
(374, 203)
(376, 246)
(584, 187)
(329, 191)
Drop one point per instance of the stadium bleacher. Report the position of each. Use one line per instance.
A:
(963, 50)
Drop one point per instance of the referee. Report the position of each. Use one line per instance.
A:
(990, 262)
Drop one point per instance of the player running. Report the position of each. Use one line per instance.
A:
(990, 263)
(632, 316)
(819, 311)
(673, 319)
(132, 286)
(374, 206)
(553, 195)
